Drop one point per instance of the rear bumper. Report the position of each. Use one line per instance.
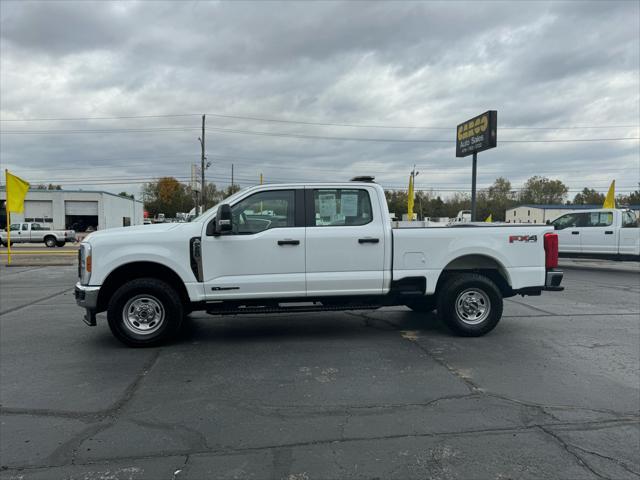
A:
(553, 279)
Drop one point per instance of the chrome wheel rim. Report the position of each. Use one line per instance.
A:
(143, 314)
(473, 306)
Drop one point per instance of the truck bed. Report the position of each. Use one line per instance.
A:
(512, 248)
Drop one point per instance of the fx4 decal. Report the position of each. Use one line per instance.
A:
(523, 238)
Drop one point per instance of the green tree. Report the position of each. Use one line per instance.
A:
(632, 198)
(541, 190)
(167, 195)
(588, 196)
(126, 195)
(496, 200)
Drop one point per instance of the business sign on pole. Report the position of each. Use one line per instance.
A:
(478, 134)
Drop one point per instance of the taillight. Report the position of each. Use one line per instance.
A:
(550, 250)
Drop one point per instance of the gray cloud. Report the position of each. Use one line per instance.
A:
(392, 63)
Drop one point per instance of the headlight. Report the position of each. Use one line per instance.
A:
(84, 263)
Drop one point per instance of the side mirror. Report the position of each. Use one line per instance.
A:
(223, 220)
(548, 222)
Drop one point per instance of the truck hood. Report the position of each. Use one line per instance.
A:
(148, 231)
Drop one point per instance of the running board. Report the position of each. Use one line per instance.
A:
(243, 310)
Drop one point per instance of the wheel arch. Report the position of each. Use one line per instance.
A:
(133, 270)
(481, 264)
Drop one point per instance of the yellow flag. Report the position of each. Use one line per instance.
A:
(610, 200)
(489, 219)
(16, 191)
(410, 199)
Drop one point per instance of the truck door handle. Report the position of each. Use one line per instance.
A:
(288, 242)
(609, 232)
(575, 233)
(368, 240)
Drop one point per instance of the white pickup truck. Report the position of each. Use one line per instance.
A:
(599, 232)
(295, 248)
(32, 232)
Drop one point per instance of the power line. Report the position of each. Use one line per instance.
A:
(294, 135)
(308, 122)
(253, 180)
(72, 119)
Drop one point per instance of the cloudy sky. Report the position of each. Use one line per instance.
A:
(318, 91)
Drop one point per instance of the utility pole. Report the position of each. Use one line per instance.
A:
(232, 176)
(202, 158)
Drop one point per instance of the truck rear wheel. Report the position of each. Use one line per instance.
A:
(145, 312)
(470, 304)
(50, 241)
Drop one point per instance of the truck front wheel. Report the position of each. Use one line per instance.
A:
(145, 312)
(470, 304)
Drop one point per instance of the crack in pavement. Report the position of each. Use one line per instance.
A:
(197, 444)
(37, 300)
(96, 415)
(241, 450)
(620, 463)
(67, 452)
(581, 461)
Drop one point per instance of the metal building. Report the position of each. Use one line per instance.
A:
(76, 209)
(542, 213)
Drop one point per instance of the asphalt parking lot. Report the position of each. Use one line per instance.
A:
(553, 392)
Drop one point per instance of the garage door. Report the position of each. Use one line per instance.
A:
(38, 209)
(72, 207)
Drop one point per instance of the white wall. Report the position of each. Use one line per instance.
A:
(111, 208)
(525, 214)
(115, 208)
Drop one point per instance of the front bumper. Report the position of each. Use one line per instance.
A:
(87, 297)
(553, 280)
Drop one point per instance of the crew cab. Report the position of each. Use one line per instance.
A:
(599, 232)
(295, 248)
(32, 232)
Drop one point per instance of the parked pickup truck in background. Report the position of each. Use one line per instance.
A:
(295, 248)
(31, 232)
(599, 232)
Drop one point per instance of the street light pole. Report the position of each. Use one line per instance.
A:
(474, 169)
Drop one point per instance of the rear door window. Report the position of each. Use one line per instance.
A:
(599, 219)
(339, 207)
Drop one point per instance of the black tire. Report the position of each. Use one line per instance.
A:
(480, 304)
(160, 297)
(50, 241)
(60, 243)
(422, 304)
